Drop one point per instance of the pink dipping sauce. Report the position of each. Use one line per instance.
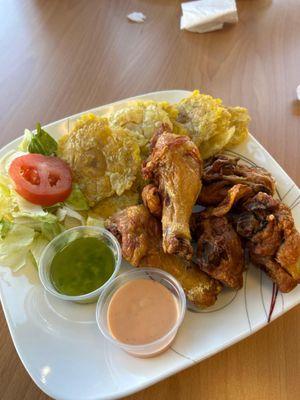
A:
(142, 311)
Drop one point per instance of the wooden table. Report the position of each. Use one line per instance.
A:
(61, 57)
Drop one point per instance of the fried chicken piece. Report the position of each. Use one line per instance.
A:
(246, 224)
(273, 269)
(288, 254)
(151, 199)
(139, 234)
(267, 240)
(236, 193)
(272, 239)
(214, 193)
(222, 172)
(219, 252)
(174, 166)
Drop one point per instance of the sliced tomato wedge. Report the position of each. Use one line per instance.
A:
(40, 179)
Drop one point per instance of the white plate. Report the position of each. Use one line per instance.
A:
(62, 349)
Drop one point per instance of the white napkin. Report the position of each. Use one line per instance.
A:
(136, 17)
(207, 15)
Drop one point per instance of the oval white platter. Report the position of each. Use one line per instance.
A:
(61, 347)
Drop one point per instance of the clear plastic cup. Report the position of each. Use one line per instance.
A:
(61, 241)
(158, 346)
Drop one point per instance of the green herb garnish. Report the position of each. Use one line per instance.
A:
(42, 143)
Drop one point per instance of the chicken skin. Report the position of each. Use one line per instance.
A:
(272, 239)
(152, 200)
(221, 173)
(139, 234)
(174, 167)
(219, 251)
(235, 195)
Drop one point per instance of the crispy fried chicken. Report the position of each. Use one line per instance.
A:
(221, 172)
(235, 194)
(152, 200)
(272, 239)
(139, 234)
(219, 251)
(174, 167)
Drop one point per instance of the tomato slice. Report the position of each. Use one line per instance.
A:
(42, 180)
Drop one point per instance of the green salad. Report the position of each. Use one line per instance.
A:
(26, 228)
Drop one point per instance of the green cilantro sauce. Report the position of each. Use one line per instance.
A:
(82, 266)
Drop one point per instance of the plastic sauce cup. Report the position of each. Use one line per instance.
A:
(61, 241)
(162, 343)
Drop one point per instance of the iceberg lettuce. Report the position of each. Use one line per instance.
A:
(37, 247)
(15, 246)
(76, 200)
(28, 135)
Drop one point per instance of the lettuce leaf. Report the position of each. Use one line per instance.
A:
(42, 143)
(25, 208)
(15, 246)
(76, 200)
(21, 246)
(4, 228)
(7, 203)
(26, 234)
(50, 230)
(69, 218)
(37, 248)
(7, 159)
(66, 211)
(28, 135)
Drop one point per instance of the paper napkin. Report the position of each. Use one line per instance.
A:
(207, 15)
